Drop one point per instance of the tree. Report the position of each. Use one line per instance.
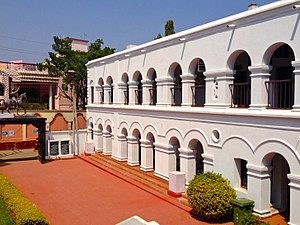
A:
(169, 29)
(70, 66)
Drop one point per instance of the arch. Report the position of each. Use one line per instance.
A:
(81, 122)
(124, 132)
(233, 57)
(109, 80)
(175, 143)
(150, 129)
(58, 123)
(136, 125)
(137, 75)
(151, 76)
(196, 146)
(108, 129)
(100, 127)
(100, 81)
(270, 51)
(124, 124)
(266, 149)
(197, 68)
(124, 78)
(175, 72)
(99, 121)
(174, 132)
(89, 120)
(108, 122)
(195, 134)
(243, 141)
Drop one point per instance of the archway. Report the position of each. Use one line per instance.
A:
(137, 136)
(175, 72)
(139, 91)
(280, 88)
(125, 89)
(110, 90)
(176, 162)
(151, 139)
(198, 69)
(153, 90)
(196, 146)
(241, 87)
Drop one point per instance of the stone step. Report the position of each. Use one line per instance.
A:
(134, 172)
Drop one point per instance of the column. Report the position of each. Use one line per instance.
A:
(98, 140)
(147, 85)
(296, 106)
(259, 95)
(122, 148)
(217, 88)
(133, 151)
(165, 159)
(122, 90)
(188, 81)
(187, 164)
(132, 88)
(50, 97)
(146, 155)
(97, 94)
(164, 96)
(294, 198)
(208, 162)
(259, 188)
(107, 143)
(107, 90)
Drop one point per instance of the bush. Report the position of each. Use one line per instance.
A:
(250, 219)
(210, 195)
(25, 213)
(5, 218)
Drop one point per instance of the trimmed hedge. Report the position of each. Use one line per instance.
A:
(5, 217)
(24, 211)
(210, 195)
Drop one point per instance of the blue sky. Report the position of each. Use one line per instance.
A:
(27, 26)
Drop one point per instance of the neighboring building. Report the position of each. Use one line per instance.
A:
(78, 44)
(241, 74)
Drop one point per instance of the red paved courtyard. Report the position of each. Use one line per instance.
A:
(75, 192)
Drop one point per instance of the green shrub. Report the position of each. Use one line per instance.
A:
(24, 211)
(210, 195)
(250, 219)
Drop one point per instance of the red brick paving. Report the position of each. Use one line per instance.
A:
(75, 192)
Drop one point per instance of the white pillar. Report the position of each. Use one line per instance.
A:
(107, 89)
(187, 164)
(146, 155)
(122, 90)
(259, 95)
(296, 106)
(133, 151)
(164, 96)
(147, 85)
(107, 143)
(122, 148)
(97, 94)
(259, 188)
(50, 97)
(217, 88)
(165, 159)
(98, 140)
(188, 80)
(294, 199)
(132, 96)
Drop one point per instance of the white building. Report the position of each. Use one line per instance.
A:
(241, 74)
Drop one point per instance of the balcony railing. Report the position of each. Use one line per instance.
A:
(198, 95)
(240, 95)
(280, 94)
(126, 97)
(153, 96)
(138, 96)
(176, 93)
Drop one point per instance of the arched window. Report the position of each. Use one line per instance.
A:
(198, 89)
(177, 89)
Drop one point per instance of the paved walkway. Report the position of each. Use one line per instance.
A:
(75, 192)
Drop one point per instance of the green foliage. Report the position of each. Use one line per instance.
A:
(250, 219)
(169, 28)
(5, 218)
(36, 106)
(158, 37)
(210, 195)
(70, 65)
(25, 213)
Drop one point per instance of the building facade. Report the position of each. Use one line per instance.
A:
(220, 97)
